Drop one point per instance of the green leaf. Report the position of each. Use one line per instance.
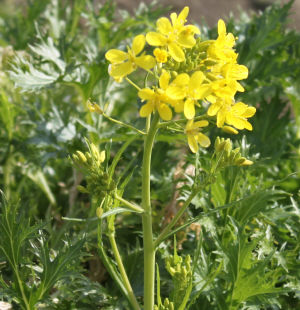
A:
(252, 205)
(38, 177)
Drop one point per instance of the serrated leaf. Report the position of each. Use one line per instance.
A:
(49, 52)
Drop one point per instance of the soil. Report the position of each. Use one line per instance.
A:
(212, 10)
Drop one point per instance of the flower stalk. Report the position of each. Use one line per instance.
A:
(149, 248)
(125, 280)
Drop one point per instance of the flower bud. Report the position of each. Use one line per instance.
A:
(240, 161)
(93, 107)
(81, 157)
(99, 212)
(102, 157)
(228, 146)
(82, 189)
(247, 162)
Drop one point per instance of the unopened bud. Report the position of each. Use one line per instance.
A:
(99, 212)
(240, 161)
(247, 162)
(82, 189)
(234, 155)
(102, 157)
(228, 146)
(75, 158)
(166, 302)
(210, 62)
(172, 270)
(81, 157)
(95, 151)
(184, 272)
(93, 107)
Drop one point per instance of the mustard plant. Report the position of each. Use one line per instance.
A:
(119, 144)
(193, 78)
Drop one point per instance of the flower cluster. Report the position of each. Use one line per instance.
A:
(190, 76)
(91, 164)
(226, 156)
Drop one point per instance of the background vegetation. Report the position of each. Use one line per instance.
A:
(52, 62)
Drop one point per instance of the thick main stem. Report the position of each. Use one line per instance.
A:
(149, 249)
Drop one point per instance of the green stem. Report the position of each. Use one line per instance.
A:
(20, 282)
(106, 261)
(132, 83)
(175, 219)
(181, 121)
(130, 294)
(149, 249)
(123, 124)
(128, 204)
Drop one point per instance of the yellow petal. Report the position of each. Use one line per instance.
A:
(189, 109)
(211, 98)
(237, 122)
(186, 40)
(173, 17)
(239, 108)
(236, 72)
(196, 79)
(202, 91)
(147, 109)
(146, 62)
(164, 26)
(164, 80)
(213, 109)
(176, 52)
(183, 15)
(121, 70)
(146, 94)
(250, 111)
(156, 39)
(221, 117)
(116, 56)
(176, 92)
(239, 87)
(164, 112)
(192, 143)
(138, 44)
(221, 27)
(182, 79)
(203, 123)
(192, 29)
(248, 126)
(203, 139)
(230, 130)
(189, 125)
(178, 105)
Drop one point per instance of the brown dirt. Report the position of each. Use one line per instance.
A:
(212, 10)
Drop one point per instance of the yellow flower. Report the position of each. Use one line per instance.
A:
(235, 115)
(124, 63)
(233, 71)
(224, 88)
(174, 35)
(192, 88)
(194, 135)
(156, 99)
(161, 55)
(222, 48)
